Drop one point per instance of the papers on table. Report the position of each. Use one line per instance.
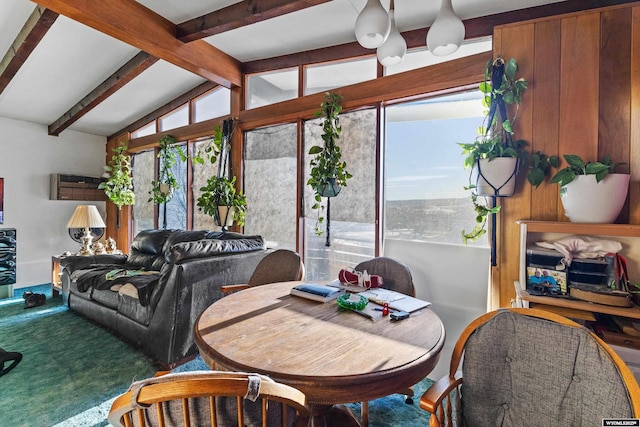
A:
(396, 300)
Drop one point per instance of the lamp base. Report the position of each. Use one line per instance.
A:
(87, 240)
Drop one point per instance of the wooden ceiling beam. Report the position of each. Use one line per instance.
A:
(238, 15)
(37, 25)
(134, 67)
(134, 24)
(474, 28)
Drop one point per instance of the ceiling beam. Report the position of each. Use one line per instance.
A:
(134, 24)
(474, 28)
(37, 25)
(134, 67)
(238, 15)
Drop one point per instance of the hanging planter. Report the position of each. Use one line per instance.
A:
(496, 177)
(328, 171)
(219, 198)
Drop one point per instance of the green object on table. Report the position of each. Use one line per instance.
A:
(352, 301)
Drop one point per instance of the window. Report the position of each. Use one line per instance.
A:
(148, 129)
(425, 198)
(321, 78)
(421, 57)
(175, 119)
(201, 173)
(270, 172)
(353, 212)
(176, 208)
(143, 171)
(269, 88)
(216, 103)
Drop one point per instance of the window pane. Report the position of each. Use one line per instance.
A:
(201, 173)
(425, 198)
(175, 119)
(145, 130)
(421, 57)
(143, 210)
(270, 173)
(353, 211)
(321, 78)
(269, 88)
(213, 104)
(176, 208)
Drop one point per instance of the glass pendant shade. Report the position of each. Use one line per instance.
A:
(394, 49)
(447, 32)
(372, 25)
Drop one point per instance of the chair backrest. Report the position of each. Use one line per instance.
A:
(530, 367)
(208, 398)
(281, 265)
(395, 275)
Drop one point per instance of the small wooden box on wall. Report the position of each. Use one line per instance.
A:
(75, 187)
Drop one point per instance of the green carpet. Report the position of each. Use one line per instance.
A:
(72, 369)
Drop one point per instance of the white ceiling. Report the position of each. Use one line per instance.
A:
(73, 59)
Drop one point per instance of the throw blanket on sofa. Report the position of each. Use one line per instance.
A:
(103, 277)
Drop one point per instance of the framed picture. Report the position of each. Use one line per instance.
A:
(1, 200)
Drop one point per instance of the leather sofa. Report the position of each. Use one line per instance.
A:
(185, 270)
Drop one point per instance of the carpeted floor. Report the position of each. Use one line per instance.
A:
(72, 369)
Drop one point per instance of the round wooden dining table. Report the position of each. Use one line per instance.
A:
(334, 356)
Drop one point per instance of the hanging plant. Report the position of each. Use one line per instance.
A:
(219, 198)
(328, 171)
(119, 184)
(163, 188)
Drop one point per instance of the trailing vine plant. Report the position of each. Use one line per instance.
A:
(328, 170)
(119, 184)
(163, 188)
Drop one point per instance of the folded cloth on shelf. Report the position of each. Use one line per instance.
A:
(582, 247)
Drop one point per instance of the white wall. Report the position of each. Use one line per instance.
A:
(28, 157)
(455, 279)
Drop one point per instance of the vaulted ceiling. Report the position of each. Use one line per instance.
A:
(96, 67)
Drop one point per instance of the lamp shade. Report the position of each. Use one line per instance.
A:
(86, 216)
(372, 25)
(447, 32)
(394, 49)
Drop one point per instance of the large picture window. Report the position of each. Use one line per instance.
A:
(425, 198)
(270, 171)
(353, 211)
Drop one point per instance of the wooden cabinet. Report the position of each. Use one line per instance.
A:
(627, 346)
(75, 187)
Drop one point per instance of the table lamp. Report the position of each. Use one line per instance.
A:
(87, 217)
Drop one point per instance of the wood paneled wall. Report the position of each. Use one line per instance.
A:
(583, 98)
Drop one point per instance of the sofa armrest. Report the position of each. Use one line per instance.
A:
(72, 263)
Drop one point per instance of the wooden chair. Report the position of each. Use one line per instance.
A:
(397, 277)
(281, 265)
(208, 398)
(525, 367)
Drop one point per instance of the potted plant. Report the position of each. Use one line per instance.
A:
(219, 197)
(494, 157)
(162, 189)
(119, 184)
(591, 191)
(328, 171)
(221, 200)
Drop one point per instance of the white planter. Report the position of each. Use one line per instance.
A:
(496, 177)
(585, 200)
(222, 214)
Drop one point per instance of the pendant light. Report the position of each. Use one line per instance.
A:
(447, 32)
(393, 50)
(372, 25)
